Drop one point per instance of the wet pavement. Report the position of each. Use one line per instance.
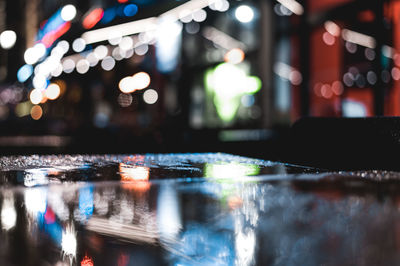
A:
(193, 209)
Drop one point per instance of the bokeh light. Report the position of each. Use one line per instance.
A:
(125, 100)
(126, 85)
(130, 10)
(108, 63)
(36, 112)
(234, 56)
(8, 39)
(150, 96)
(200, 15)
(79, 45)
(101, 52)
(82, 66)
(244, 14)
(68, 65)
(68, 12)
(36, 96)
(24, 73)
(141, 80)
(53, 91)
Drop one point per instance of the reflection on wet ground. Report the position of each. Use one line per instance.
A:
(193, 209)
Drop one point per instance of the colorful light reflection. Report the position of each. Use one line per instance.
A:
(230, 171)
(135, 177)
(87, 261)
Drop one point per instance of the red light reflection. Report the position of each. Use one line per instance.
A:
(49, 216)
(87, 261)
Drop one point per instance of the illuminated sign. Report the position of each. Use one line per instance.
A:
(227, 84)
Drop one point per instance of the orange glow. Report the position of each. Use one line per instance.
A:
(135, 177)
(234, 56)
(93, 18)
(122, 1)
(61, 83)
(87, 261)
(36, 112)
(366, 16)
(133, 173)
(235, 202)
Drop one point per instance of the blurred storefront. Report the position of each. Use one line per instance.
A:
(153, 75)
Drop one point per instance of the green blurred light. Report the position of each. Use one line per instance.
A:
(230, 171)
(227, 83)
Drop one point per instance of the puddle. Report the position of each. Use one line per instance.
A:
(193, 209)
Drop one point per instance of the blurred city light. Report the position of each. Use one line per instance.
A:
(230, 171)
(244, 14)
(126, 43)
(168, 213)
(68, 12)
(36, 96)
(293, 6)
(87, 261)
(125, 100)
(332, 28)
(133, 173)
(68, 65)
(234, 56)
(125, 29)
(39, 82)
(199, 15)
(222, 39)
(118, 54)
(101, 52)
(8, 39)
(141, 48)
(219, 5)
(35, 53)
(24, 73)
(150, 96)
(126, 85)
(169, 34)
(288, 72)
(78, 45)
(53, 91)
(226, 84)
(115, 38)
(139, 81)
(36, 112)
(92, 18)
(68, 242)
(23, 109)
(82, 66)
(8, 213)
(64, 45)
(358, 38)
(108, 63)
(130, 10)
